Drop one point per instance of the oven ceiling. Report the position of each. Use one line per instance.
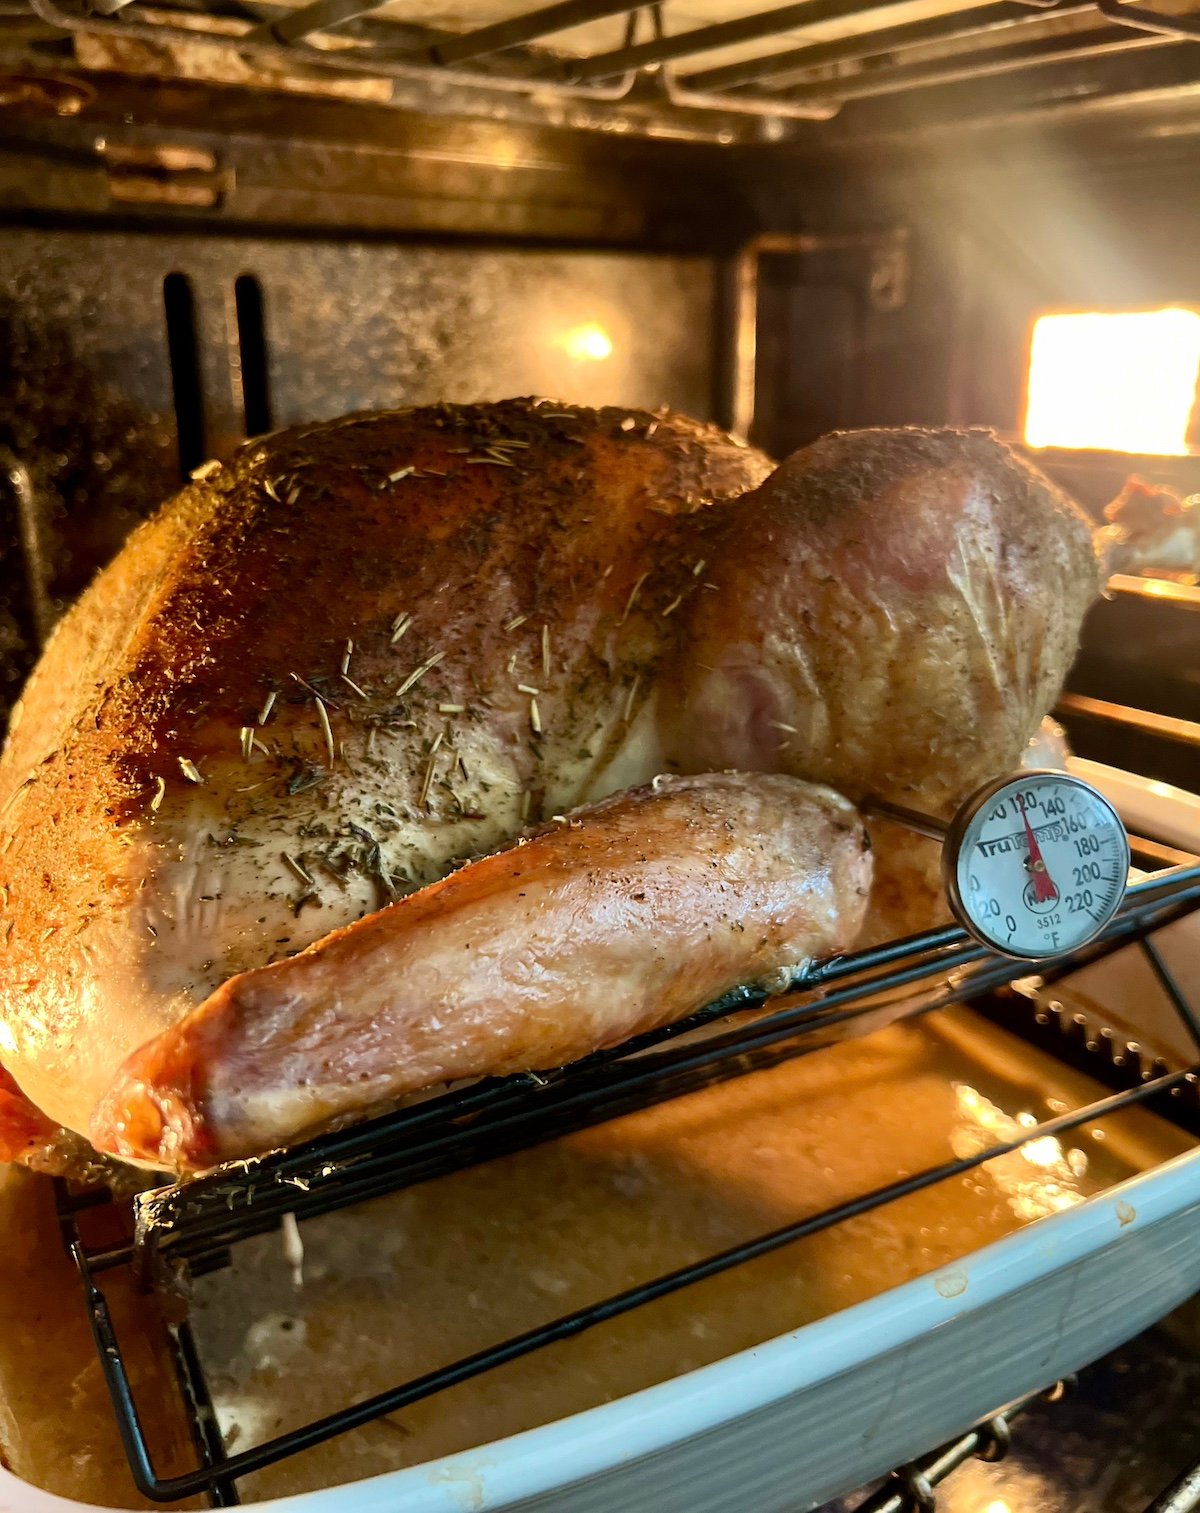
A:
(706, 69)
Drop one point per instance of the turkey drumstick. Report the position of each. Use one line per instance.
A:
(624, 915)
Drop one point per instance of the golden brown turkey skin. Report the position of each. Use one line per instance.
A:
(367, 650)
(894, 611)
(627, 914)
(23, 1128)
(361, 650)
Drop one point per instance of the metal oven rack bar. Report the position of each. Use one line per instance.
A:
(197, 1222)
(913, 1488)
(1182, 1496)
(659, 69)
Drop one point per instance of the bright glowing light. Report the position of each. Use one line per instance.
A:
(1035, 1180)
(1045, 1152)
(999, 1506)
(588, 343)
(1114, 383)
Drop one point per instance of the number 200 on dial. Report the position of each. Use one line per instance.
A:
(1036, 864)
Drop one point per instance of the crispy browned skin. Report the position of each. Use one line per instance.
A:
(29, 1138)
(627, 914)
(133, 892)
(895, 612)
(892, 612)
(24, 1129)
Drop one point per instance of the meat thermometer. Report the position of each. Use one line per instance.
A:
(1034, 864)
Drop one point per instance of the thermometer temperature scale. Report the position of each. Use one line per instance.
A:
(1036, 864)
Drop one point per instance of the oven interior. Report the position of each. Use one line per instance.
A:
(220, 219)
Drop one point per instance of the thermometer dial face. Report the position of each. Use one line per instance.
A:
(1036, 864)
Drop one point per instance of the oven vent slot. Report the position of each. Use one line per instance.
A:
(252, 346)
(183, 350)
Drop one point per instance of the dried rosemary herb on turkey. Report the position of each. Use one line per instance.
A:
(633, 593)
(418, 673)
(327, 730)
(308, 687)
(308, 777)
(298, 868)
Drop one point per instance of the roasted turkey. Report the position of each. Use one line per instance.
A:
(514, 721)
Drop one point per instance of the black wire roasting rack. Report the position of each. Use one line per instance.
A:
(194, 1224)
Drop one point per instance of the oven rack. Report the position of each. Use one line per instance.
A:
(198, 1219)
(1025, 51)
(912, 1488)
(192, 1225)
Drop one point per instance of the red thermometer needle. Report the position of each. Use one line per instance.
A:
(1043, 888)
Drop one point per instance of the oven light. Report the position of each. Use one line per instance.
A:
(1121, 382)
(587, 343)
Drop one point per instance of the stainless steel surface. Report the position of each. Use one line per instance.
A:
(921, 824)
(1168, 983)
(253, 43)
(333, 165)
(87, 392)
